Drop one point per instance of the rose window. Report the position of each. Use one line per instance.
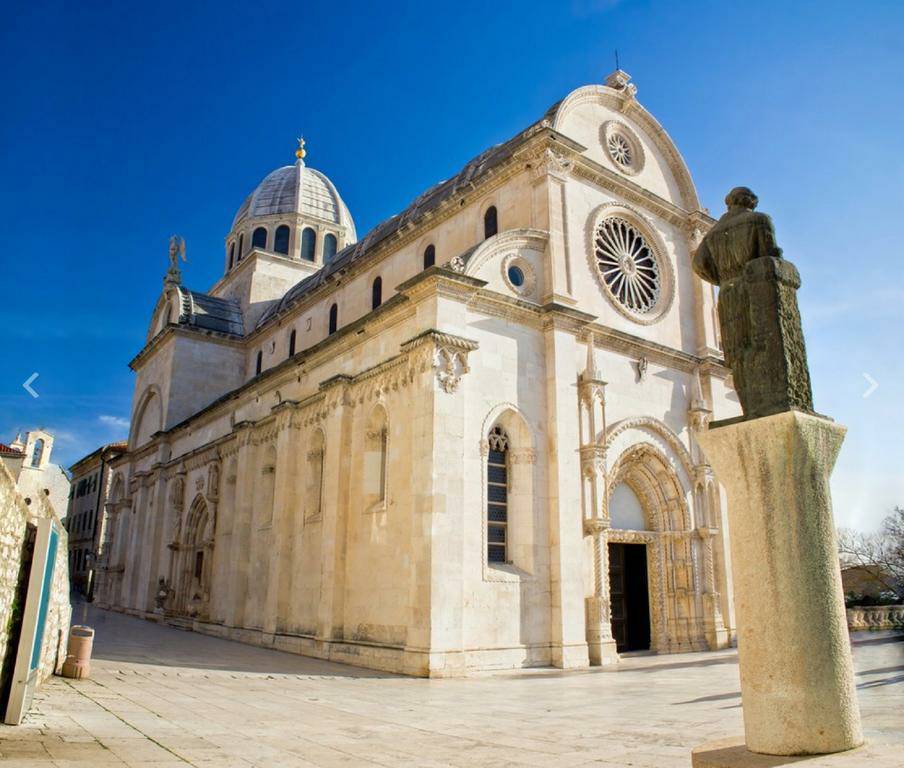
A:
(620, 150)
(627, 265)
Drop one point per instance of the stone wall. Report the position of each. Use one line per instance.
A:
(14, 514)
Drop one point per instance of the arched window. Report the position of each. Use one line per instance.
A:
(334, 318)
(308, 243)
(281, 239)
(259, 238)
(232, 254)
(376, 293)
(497, 495)
(259, 364)
(329, 247)
(490, 222)
(241, 247)
(292, 343)
(37, 453)
(429, 256)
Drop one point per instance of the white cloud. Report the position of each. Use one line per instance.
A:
(114, 421)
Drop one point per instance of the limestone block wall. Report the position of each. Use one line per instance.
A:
(14, 515)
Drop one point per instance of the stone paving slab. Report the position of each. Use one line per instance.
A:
(159, 696)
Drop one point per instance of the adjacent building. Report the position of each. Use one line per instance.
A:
(464, 441)
(28, 461)
(90, 485)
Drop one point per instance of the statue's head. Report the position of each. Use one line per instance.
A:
(741, 197)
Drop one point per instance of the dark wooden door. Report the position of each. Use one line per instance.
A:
(617, 595)
(629, 597)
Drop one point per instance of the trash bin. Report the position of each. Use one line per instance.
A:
(78, 652)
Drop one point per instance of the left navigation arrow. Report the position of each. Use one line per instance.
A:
(26, 385)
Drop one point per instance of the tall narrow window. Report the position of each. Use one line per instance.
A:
(259, 238)
(292, 343)
(376, 293)
(334, 319)
(232, 254)
(490, 222)
(281, 239)
(241, 247)
(259, 364)
(37, 453)
(429, 256)
(497, 495)
(314, 500)
(308, 243)
(384, 439)
(329, 247)
(375, 461)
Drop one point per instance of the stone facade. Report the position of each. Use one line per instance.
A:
(15, 514)
(90, 486)
(414, 473)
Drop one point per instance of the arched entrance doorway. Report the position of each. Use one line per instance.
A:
(628, 578)
(654, 596)
(192, 592)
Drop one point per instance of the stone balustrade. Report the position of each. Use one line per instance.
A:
(876, 617)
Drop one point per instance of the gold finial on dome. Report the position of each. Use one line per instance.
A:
(300, 153)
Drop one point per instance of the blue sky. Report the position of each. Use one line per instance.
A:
(123, 125)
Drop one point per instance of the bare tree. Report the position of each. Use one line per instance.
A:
(882, 551)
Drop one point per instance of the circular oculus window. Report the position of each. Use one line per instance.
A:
(628, 266)
(622, 147)
(518, 274)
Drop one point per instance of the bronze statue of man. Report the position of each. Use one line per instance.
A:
(761, 331)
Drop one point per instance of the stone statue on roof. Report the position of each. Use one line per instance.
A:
(761, 331)
(176, 250)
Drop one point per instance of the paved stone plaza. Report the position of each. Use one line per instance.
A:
(163, 697)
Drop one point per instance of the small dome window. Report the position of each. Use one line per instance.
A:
(429, 256)
(241, 246)
(281, 240)
(259, 238)
(329, 247)
(490, 222)
(232, 254)
(308, 244)
(516, 276)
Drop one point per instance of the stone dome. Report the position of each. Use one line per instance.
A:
(297, 189)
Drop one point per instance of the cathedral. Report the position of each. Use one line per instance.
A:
(465, 441)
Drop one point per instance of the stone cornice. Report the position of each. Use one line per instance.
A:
(590, 170)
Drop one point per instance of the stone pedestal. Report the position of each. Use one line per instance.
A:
(797, 684)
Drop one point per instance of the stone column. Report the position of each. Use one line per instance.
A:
(797, 683)
(592, 390)
(568, 626)
(699, 416)
(550, 171)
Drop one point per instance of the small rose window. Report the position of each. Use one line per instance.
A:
(620, 150)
